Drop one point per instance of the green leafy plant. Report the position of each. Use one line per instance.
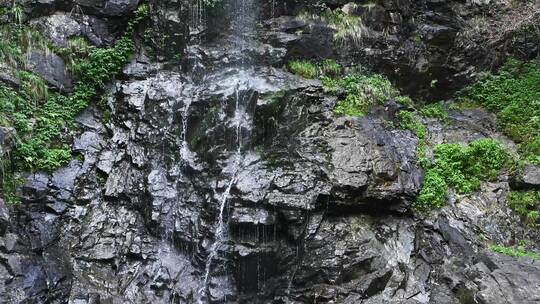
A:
(518, 251)
(410, 121)
(42, 126)
(304, 68)
(514, 96)
(311, 69)
(361, 92)
(434, 110)
(462, 168)
(526, 204)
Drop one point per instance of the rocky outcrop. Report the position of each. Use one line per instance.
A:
(442, 45)
(60, 27)
(316, 207)
(7, 139)
(527, 178)
(105, 8)
(51, 68)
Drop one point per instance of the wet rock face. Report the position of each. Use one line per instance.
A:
(171, 17)
(527, 178)
(316, 207)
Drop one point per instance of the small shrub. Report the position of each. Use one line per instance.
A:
(434, 110)
(484, 158)
(361, 92)
(330, 68)
(409, 121)
(311, 69)
(526, 204)
(514, 96)
(349, 28)
(434, 192)
(462, 168)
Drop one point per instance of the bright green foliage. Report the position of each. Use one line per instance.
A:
(410, 121)
(515, 251)
(526, 204)
(43, 148)
(361, 92)
(310, 69)
(433, 194)
(462, 168)
(513, 95)
(304, 68)
(330, 68)
(42, 118)
(404, 100)
(348, 28)
(434, 110)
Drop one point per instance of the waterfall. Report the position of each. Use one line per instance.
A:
(241, 120)
(197, 10)
(242, 17)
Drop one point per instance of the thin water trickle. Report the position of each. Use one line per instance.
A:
(185, 153)
(243, 24)
(239, 121)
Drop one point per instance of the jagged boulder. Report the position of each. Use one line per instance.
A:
(51, 68)
(527, 178)
(7, 140)
(4, 217)
(60, 27)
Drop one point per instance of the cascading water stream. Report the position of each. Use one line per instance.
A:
(239, 120)
(197, 15)
(243, 22)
